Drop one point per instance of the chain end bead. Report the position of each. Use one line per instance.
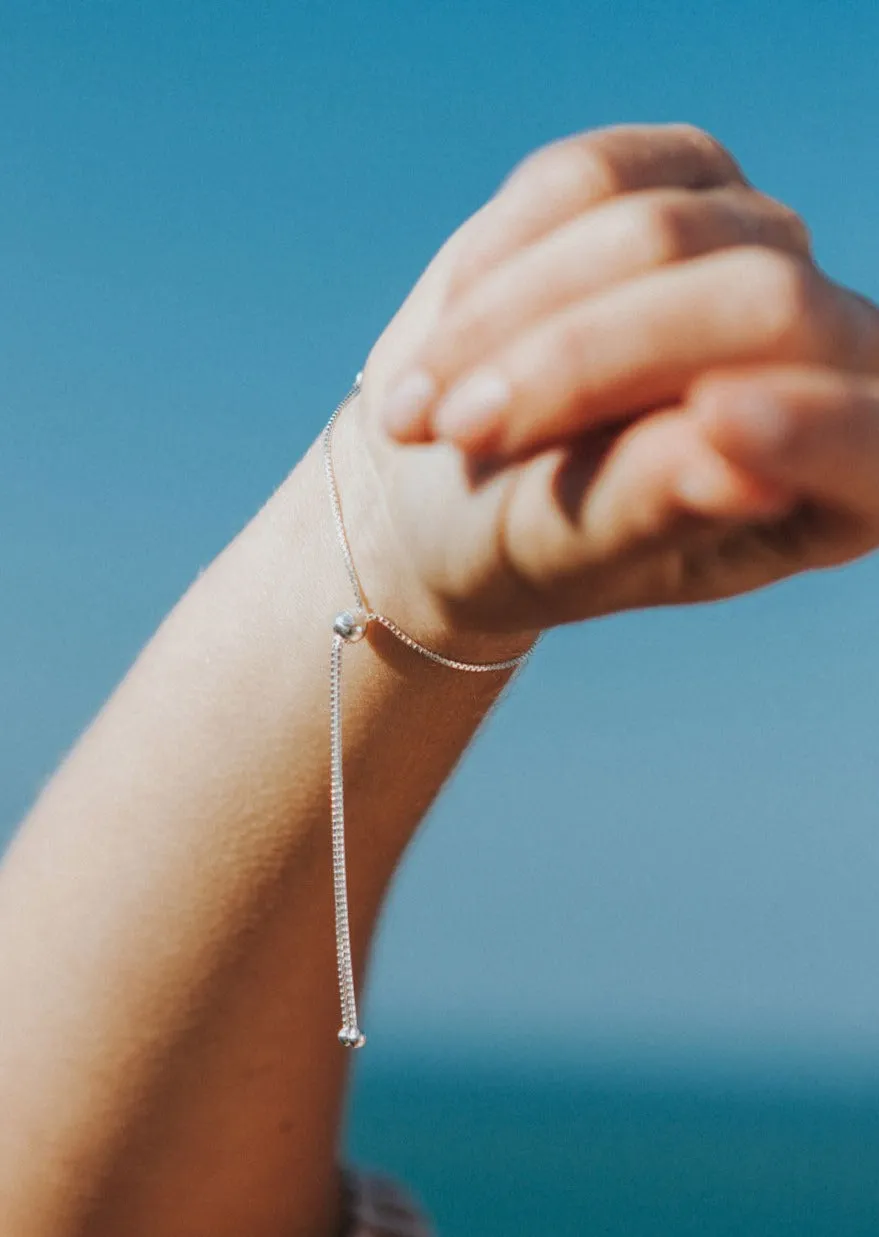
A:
(351, 625)
(351, 1037)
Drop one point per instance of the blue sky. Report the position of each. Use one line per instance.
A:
(669, 833)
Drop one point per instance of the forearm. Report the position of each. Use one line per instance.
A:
(169, 1060)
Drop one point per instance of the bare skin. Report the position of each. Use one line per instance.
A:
(169, 1062)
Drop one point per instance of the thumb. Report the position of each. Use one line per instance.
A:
(814, 430)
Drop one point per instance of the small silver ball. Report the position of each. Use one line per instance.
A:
(351, 1037)
(351, 625)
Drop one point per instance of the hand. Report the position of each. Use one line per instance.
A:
(603, 294)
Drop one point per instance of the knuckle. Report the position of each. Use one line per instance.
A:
(576, 168)
(803, 316)
(604, 157)
(665, 227)
(785, 217)
(595, 164)
(711, 148)
(697, 136)
(789, 300)
(796, 225)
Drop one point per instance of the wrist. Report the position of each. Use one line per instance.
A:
(391, 582)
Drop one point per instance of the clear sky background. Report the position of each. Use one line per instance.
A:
(668, 835)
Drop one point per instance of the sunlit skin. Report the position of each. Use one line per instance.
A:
(682, 407)
(616, 272)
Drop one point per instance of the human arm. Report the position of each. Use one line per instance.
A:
(169, 1056)
(169, 1062)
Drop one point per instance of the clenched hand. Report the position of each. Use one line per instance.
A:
(623, 382)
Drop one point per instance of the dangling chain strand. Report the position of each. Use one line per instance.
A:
(349, 626)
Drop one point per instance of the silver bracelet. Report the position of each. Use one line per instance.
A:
(349, 626)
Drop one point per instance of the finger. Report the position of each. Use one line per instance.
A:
(813, 430)
(642, 343)
(566, 177)
(642, 503)
(617, 241)
(664, 467)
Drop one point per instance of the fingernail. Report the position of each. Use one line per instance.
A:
(472, 408)
(407, 401)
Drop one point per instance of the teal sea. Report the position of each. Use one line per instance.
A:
(502, 1152)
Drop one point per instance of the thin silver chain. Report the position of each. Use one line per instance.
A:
(334, 494)
(350, 626)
